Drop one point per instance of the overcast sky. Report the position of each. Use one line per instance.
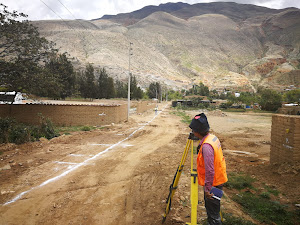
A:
(91, 9)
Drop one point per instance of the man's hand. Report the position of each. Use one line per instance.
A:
(208, 195)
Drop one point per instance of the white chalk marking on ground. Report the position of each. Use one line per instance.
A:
(123, 145)
(69, 170)
(126, 145)
(78, 155)
(69, 163)
(102, 144)
(56, 169)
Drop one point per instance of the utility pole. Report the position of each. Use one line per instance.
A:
(129, 54)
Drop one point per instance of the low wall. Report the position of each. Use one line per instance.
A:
(285, 139)
(144, 106)
(92, 115)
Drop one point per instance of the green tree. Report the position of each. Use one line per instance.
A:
(103, 88)
(135, 91)
(270, 100)
(111, 92)
(200, 89)
(87, 83)
(174, 95)
(292, 96)
(60, 66)
(121, 91)
(247, 98)
(22, 52)
(154, 90)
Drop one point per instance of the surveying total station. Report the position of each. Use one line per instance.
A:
(194, 182)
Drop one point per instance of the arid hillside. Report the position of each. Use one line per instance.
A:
(177, 44)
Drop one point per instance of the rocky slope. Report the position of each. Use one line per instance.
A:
(177, 44)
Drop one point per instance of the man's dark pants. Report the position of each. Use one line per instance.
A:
(213, 209)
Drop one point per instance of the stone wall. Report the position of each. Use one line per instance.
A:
(92, 115)
(285, 139)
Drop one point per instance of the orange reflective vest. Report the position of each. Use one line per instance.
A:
(219, 162)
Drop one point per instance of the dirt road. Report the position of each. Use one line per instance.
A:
(68, 181)
(117, 175)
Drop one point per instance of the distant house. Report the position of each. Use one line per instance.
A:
(11, 97)
(237, 95)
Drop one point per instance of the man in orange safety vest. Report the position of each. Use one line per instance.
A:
(211, 167)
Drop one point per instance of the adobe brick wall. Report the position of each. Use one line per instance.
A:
(143, 106)
(67, 115)
(285, 139)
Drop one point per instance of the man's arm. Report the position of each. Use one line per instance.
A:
(208, 155)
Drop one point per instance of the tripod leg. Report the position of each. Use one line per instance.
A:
(176, 178)
(194, 191)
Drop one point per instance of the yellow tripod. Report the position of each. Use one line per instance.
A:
(194, 182)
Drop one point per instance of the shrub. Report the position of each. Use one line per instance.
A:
(12, 131)
(46, 128)
(85, 128)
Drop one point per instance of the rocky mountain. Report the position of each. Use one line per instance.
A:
(220, 44)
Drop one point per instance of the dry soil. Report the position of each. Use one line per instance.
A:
(121, 174)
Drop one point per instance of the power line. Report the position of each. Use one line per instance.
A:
(56, 14)
(69, 26)
(77, 20)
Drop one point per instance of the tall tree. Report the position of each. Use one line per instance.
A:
(111, 92)
(22, 51)
(154, 90)
(87, 83)
(60, 66)
(121, 91)
(103, 84)
(270, 99)
(292, 96)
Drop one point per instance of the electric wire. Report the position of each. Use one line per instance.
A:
(56, 14)
(77, 20)
(69, 26)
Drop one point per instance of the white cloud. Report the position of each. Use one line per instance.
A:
(90, 9)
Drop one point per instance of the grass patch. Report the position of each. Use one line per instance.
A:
(233, 110)
(184, 117)
(273, 191)
(264, 210)
(70, 129)
(229, 219)
(86, 128)
(265, 195)
(239, 181)
(259, 206)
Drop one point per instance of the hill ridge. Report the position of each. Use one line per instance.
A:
(176, 49)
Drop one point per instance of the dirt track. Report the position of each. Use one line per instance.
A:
(125, 185)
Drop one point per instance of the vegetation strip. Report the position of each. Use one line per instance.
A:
(259, 204)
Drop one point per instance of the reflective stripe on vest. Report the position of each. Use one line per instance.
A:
(220, 176)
